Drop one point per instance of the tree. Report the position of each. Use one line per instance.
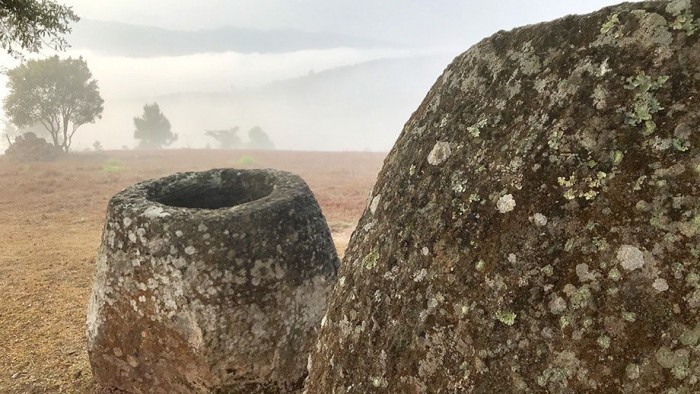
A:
(59, 94)
(153, 128)
(227, 139)
(258, 139)
(27, 25)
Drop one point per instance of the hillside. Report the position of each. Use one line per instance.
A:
(113, 38)
(359, 107)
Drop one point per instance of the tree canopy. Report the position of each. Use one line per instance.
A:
(258, 139)
(227, 138)
(59, 94)
(27, 25)
(153, 128)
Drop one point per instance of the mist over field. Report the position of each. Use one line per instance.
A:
(314, 75)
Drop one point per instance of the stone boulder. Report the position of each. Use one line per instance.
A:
(209, 282)
(536, 227)
(29, 147)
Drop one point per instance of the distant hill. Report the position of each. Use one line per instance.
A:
(360, 107)
(113, 38)
(354, 107)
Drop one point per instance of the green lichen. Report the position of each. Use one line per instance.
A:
(645, 103)
(459, 185)
(599, 178)
(681, 371)
(566, 182)
(581, 297)
(506, 317)
(564, 322)
(377, 381)
(569, 245)
(684, 17)
(614, 274)
(612, 25)
(370, 261)
(587, 322)
(691, 337)
(629, 317)
(666, 357)
(604, 341)
(593, 184)
(680, 144)
(475, 129)
(617, 157)
(685, 22)
(639, 183)
(632, 371)
(554, 138)
(548, 270)
(602, 245)
(676, 361)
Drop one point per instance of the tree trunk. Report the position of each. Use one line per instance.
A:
(66, 142)
(54, 136)
(8, 139)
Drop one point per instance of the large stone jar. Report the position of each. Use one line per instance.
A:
(209, 282)
(536, 227)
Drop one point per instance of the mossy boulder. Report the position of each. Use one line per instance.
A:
(536, 226)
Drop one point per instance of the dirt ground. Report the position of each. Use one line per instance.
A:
(50, 225)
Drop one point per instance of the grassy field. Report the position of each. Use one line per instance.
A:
(50, 225)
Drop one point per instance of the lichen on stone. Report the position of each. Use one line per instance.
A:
(506, 203)
(506, 317)
(440, 152)
(575, 217)
(645, 103)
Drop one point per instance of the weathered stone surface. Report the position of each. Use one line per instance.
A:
(536, 227)
(209, 282)
(29, 147)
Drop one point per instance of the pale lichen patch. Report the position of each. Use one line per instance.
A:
(154, 212)
(630, 257)
(505, 203)
(557, 305)
(440, 152)
(375, 203)
(660, 285)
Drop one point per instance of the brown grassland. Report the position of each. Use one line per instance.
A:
(51, 217)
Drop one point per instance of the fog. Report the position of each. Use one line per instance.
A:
(314, 74)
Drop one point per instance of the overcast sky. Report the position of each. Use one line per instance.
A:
(403, 28)
(388, 19)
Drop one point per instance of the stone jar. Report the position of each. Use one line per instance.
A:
(536, 226)
(209, 281)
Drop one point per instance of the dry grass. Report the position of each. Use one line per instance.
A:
(50, 227)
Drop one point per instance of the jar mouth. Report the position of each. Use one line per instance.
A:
(211, 189)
